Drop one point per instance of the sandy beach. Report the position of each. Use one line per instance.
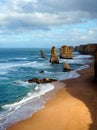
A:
(73, 108)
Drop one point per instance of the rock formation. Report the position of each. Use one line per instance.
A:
(66, 67)
(86, 49)
(66, 52)
(54, 56)
(42, 54)
(95, 63)
(40, 81)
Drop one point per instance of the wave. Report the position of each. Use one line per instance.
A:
(75, 61)
(11, 65)
(26, 107)
(6, 67)
(83, 56)
(18, 59)
(24, 83)
(25, 64)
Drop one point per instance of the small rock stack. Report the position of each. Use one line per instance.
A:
(42, 54)
(66, 67)
(54, 56)
(95, 63)
(66, 52)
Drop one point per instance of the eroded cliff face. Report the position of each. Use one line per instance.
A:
(54, 56)
(95, 63)
(86, 49)
(66, 52)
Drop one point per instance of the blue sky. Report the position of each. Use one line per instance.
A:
(47, 23)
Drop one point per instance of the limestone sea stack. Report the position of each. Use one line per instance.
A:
(42, 54)
(95, 63)
(54, 56)
(66, 67)
(66, 52)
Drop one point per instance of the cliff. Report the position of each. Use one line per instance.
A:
(86, 49)
(95, 63)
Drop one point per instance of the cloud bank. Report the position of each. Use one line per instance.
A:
(44, 14)
(30, 15)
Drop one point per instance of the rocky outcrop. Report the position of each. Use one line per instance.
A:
(40, 81)
(95, 63)
(41, 71)
(54, 56)
(86, 49)
(66, 67)
(66, 52)
(42, 54)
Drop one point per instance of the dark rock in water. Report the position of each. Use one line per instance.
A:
(54, 57)
(41, 71)
(66, 67)
(42, 54)
(66, 52)
(36, 80)
(95, 63)
(41, 81)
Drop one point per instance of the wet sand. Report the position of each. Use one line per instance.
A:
(73, 108)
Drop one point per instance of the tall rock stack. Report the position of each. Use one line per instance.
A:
(95, 63)
(66, 52)
(54, 56)
(42, 54)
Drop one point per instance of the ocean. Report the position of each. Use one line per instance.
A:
(20, 99)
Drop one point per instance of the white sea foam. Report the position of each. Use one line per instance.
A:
(67, 75)
(21, 58)
(11, 65)
(75, 61)
(71, 74)
(83, 67)
(24, 83)
(6, 67)
(83, 56)
(79, 59)
(26, 64)
(26, 107)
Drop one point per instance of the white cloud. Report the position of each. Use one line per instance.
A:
(47, 13)
(24, 16)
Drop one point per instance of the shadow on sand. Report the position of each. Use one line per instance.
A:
(86, 91)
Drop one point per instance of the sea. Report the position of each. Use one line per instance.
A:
(20, 99)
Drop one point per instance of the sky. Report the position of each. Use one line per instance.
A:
(47, 23)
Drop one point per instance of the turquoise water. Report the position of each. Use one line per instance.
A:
(17, 96)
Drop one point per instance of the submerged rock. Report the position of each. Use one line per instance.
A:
(41, 81)
(42, 54)
(54, 56)
(66, 67)
(42, 71)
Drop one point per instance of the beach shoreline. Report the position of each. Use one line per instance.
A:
(73, 108)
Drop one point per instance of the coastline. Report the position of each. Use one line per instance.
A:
(73, 108)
